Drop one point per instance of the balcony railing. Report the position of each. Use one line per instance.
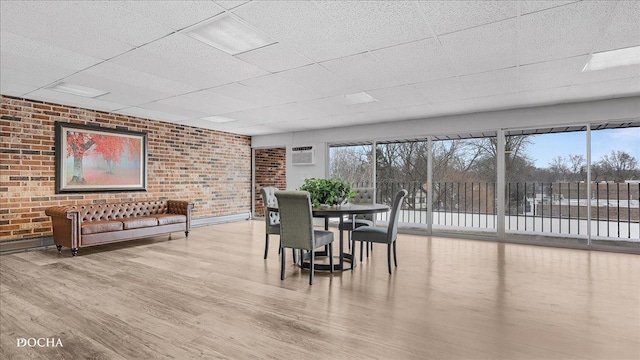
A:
(561, 208)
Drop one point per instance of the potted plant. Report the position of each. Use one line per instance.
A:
(329, 192)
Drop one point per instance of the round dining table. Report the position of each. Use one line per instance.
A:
(340, 211)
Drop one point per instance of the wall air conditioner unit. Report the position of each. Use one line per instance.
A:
(303, 155)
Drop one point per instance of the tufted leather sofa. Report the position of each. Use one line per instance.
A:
(95, 224)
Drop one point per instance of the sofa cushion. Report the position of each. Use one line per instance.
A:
(166, 219)
(137, 222)
(94, 227)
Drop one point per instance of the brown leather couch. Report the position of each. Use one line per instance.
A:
(95, 224)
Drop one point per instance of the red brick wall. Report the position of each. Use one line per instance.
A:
(271, 170)
(210, 168)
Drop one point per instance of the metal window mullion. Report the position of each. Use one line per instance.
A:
(500, 177)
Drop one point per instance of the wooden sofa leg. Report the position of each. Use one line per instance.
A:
(59, 247)
(74, 251)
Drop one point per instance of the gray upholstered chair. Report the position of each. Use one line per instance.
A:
(363, 196)
(296, 228)
(271, 218)
(380, 235)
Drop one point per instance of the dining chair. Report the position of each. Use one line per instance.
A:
(363, 196)
(296, 229)
(271, 218)
(380, 235)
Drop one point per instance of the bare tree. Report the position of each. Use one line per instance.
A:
(352, 164)
(618, 167)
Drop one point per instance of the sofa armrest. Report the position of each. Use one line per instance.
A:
(66, 225)
(182, 208)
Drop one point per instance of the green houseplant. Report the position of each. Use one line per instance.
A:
(327, 191)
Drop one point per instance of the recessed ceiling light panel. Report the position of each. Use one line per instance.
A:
(229, 34)
(218, 119)
(614, 58)
(359, 98)
(77, 90)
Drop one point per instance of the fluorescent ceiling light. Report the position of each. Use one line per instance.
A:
(77, 90)
(218, 119)
(613, 58)
(229, 35)
(359, 98)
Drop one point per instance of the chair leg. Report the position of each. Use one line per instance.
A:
(282, 265)
(368, 249)
(295, 258)
(395, 259)
(331, 257)
(389, 257)
(353, 253)
(279, 247)
(266, 246)
(312, 267)
(362, 243)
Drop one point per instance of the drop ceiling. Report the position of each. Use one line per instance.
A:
(416, 59)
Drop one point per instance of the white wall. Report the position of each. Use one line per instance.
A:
(544, 116)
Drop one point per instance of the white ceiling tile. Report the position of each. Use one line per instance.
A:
(319, 80)
(416, 111)
(274, 58)
(604, 90)
(207, 102)
(364, 71)
(248, 94)
(25, 78)
(174, 110)
(527, 7)
(490, 83)
(545, 96)
(28, 19)
(150, 114)
(194, 54)
(278, 113)
(316, 36)
(550, 74)
(449, 16)
(256, 130)
(325, 107)
(624, 28)
(14, 88)
(483, 48)
(399, 96)
(379, 24)
(74, 100)
(451, 108)
(139, 79)
(383, 115)
(295, 125)
(418, 61)
(104, 18)
(42, 52)
(616, 73)
(150, 63)
(30, 71)
(119, 92)
(174, 14)
(230, 4)
(561, 32)
(281, 87)
(441, 90)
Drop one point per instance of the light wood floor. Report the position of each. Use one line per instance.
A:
(212, 296)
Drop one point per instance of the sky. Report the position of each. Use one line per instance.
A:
(544, 148)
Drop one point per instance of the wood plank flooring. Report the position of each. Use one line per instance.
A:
(212, 296)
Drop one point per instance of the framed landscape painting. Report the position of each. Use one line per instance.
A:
(92, 159)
